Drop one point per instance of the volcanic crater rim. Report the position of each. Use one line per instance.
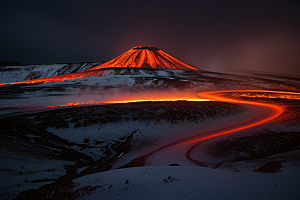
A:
(152, 48)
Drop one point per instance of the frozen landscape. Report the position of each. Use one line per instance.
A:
(146, 125)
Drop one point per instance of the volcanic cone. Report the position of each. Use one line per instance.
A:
(137, 57)
(146, 57)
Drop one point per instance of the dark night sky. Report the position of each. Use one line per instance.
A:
(212, 35)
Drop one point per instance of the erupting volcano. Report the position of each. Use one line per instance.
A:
(146, 57)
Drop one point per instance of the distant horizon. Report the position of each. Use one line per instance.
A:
(22, 64)
(220, 71)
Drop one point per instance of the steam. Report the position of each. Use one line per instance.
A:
(92, 96)
(273, 52)
(117, 94)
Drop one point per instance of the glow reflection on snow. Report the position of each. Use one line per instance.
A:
(276, 110)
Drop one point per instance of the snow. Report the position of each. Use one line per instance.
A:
(17, 173)
(189, 182)
(148, 136)
(12, 183)
(19, 73)
(157, 180)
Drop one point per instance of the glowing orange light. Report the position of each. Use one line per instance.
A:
(143, 100)
(275, 110)
(137, 57)
(55, 78)
(146, 57)
(123, 101)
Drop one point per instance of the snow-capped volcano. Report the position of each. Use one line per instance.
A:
(146, 57)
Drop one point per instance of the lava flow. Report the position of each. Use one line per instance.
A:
(261, 113)
(124, 101)
(56, 78)
(137, 57)
(275, 110)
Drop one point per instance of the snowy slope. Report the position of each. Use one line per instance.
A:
(186, 182)
(45, 146)
(175, 182)
(10, 74)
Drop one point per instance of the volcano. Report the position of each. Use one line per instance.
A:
(142, 57)
(145, 57)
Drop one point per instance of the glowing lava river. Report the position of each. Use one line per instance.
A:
(179, 151)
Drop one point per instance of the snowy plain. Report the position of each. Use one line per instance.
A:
(188, 182)
(159, 181)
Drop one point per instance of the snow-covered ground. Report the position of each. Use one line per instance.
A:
(97, 140)
(11, 74)
(53, 145)
(186, 182)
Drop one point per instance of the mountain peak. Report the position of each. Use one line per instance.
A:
(151, 48)
(145, 57)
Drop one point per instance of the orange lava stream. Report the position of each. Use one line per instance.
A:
(205, 96)
(254, 120)
(73, 104)
(255, 91)
(124, 101)
(276, 110)
(55, 78)
(144, 100)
